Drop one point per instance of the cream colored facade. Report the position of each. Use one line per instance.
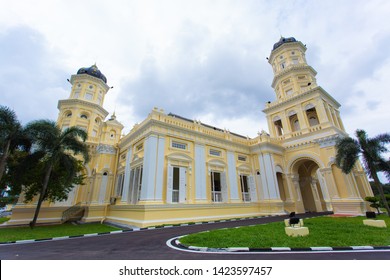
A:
(169, 169)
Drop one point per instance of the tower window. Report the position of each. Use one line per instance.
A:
(278, 126)
(69, 114)
(283, 65)
(289, 91)
(295, 60)
(83, 116)
(112, 134)
(89, 96)
(312, 116)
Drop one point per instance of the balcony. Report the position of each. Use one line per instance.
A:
(216, 196)
(246, 197)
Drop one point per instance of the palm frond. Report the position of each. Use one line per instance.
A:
(348, 151)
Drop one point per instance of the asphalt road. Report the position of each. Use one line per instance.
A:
(151, 245)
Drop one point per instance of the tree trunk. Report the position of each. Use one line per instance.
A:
(3, 159)
(41, 195)
(380, 189)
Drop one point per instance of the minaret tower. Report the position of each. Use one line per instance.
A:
(301, 107)
(84, 107)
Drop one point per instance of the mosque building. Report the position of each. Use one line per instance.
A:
(169, 169)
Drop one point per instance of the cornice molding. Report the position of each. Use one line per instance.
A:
(299, 97)
(292, 68)
(77, 77)
(78, 102)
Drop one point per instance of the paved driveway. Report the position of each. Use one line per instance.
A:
(151, 245)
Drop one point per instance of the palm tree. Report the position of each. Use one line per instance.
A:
(55, 148)
(12, 136)
(370, 150)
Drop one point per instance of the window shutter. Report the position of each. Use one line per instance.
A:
(224, 187)
(182, 185)
(252, 188)
(169, 183)
(134, 192)
(103, 187)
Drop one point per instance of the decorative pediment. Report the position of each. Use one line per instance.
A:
(179, 157)
(244, 168)
(216, 162)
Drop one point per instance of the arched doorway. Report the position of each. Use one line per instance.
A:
(309, 189)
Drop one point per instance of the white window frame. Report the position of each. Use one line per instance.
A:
(179, 145)
(215, 152)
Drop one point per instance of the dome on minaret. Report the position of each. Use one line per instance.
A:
(93, 71)
(283, 41)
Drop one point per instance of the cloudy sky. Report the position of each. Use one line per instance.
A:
(203, 60)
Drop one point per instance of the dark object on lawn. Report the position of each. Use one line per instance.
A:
(292, 214)
(370, 215)
(294, 221)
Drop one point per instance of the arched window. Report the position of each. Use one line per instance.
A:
(294, 122)
(84, 116)
(311, 114)
(313, 121)
(278, 126)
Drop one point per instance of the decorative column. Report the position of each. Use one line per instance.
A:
(200, 173)
(126, 180)
(330, 183)
(153, 167)
(324, 190)
(289, 194)
(268, 176)
(323, 118)
(160, 169)
(232, 175)
(299, 207)
(316, 196)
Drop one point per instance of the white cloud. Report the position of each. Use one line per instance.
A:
(199, 59)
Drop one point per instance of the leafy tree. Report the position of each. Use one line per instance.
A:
(370, 150)
(53, 158)
(12, 136)
(386, 188)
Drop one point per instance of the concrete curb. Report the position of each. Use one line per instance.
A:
(176, 243)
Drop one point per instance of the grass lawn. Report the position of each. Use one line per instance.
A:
(39, 232)
(324, 232)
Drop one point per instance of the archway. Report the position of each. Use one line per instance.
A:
(309, 185)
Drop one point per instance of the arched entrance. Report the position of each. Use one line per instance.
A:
(308, 188)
